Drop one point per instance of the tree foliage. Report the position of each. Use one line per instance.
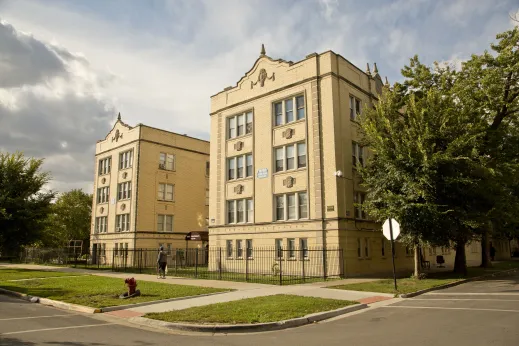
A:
(69, 219)
(24, 203)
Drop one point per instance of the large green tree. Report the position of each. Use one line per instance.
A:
(69, 219)
(24, 203)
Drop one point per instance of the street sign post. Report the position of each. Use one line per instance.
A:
(391, 230)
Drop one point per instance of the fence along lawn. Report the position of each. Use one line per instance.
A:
(99, 292)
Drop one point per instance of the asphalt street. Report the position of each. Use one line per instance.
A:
(478, 313)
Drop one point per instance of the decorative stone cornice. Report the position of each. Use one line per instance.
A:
(262, 77)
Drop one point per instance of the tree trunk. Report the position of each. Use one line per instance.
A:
(417, 262)
(485, 249)
(460, 261)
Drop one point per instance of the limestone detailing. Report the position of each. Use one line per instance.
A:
(262, 77)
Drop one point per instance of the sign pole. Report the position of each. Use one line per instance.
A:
(392, 250)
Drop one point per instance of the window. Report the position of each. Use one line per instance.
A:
(164, 223)
(237, 169)
(103, 194)
(279, 248)
(206, 196)
(166, 192)
(300, 104)
(167, 161)
(301, 155)
(291, 245)
(359, 199)
(229, 248)
(122, 222)
(249, 248)
(116, 250)
(101, 224)
(248, 125)
(249, 172)
(126, 159)
(104, 166)
(291, 199)
(285, 157)
(383, 247)
(103, 249)
(304, 248)
(366, 247)
(240, 211)
(359, 248)
(357, 154)
(124, 190)
(230, 165)
(240, 124)
(207, 168)
(239, 248)
(303, 205)
(240, 168)
(291, 206)
(284, 110)
(354, 107)
(232, 127)
(126, 249)
(250, 210)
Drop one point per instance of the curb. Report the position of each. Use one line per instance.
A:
(89, 310)
(246, 328)
(50, 302)
(452, 284)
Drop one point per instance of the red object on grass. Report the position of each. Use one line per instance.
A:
(131, 283)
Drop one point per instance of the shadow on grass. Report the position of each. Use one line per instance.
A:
(36, 291)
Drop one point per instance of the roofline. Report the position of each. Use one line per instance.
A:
(309, 56)
(151, 127)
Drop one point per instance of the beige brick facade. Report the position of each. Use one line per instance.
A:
(168, 179)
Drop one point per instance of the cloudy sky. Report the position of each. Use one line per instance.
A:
(68, 67)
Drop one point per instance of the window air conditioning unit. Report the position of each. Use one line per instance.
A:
(162, 165)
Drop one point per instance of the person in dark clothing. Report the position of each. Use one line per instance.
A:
(492, 252)
(162, 260)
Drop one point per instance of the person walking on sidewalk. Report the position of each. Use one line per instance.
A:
(162, 261)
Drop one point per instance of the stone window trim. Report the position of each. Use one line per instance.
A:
(245, 119)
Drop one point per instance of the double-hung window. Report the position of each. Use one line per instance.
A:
(239, 125)
(358, 200)
(103, 194)
(124, 190)
(105, 165)
(289, 110)
(101, 224)
(354, 107)
(239, 248)
(291, 206)
(164, 223)
(357, 154)
(285, 157)
(291, 245)
(122, 223)
(249, 248)
(126, 159)
(240, 211)
(239, 167)
(167, 161)
(229, 248)
(303, 245)
(166, 192)
(279, 248)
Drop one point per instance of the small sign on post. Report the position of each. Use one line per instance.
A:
(391, 230)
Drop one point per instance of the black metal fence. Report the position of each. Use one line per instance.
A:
(259, 265)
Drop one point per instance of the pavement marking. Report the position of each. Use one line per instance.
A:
(471, 294)
(473, 299)
(26, 318)
(48, 329)
(445, 308)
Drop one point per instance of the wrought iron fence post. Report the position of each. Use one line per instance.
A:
(246, 266)
(341, 263)
(303, 259)
(281, 269)
(220, 264)
(196, 263)
(324, 262)
(113, 260)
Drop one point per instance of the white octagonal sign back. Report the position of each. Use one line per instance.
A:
(386, 230)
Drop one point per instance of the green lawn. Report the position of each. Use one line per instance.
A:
(99, 292)
(409, 285)
(20, 274)
(252, 310)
